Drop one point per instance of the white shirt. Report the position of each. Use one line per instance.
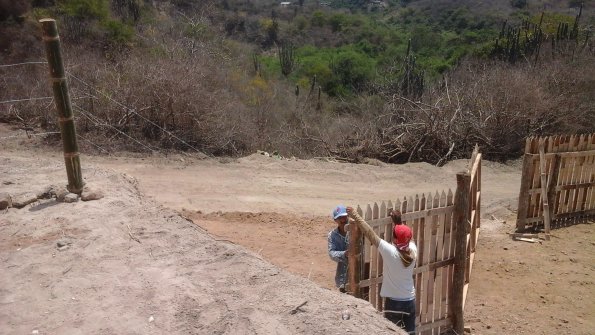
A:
(397, 280)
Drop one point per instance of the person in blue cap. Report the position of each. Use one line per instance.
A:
(338, 241)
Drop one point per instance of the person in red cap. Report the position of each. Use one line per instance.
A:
(398, 262)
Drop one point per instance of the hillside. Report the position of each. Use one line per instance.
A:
(208, 77)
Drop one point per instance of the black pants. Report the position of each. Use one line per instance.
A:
(401, 313)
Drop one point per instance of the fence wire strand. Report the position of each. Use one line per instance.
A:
(30, 134)
(98, 122)
(22, 100)
(133, 111)
(93, 144)
(19, 64)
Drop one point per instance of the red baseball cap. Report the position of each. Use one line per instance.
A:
(402, 235)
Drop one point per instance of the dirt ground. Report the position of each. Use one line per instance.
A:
(198, 278)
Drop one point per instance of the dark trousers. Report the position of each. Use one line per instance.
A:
(401, 313)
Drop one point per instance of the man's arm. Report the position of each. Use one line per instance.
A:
(364, 226)
(335, 255)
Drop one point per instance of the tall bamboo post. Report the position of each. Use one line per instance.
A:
(51, 40)
(461, 220)
(353, 260)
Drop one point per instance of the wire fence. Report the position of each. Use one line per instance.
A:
(94, 119)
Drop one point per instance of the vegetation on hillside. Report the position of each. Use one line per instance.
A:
(398, 82)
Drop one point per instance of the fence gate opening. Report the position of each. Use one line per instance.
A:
(442, 271)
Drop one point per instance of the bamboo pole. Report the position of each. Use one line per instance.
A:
(354, 260)
(62, 100)
(461, 220)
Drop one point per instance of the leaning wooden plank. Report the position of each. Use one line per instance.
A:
(573, 193)
(523, 235)
(552, 183)
(544, 198)
(524, 196)
(580, 179)
(531, 240)
(536, 201)
(434, 265)
(447, 322)
(370, 281)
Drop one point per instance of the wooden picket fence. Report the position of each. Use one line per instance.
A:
(558, 182)
(440, 287)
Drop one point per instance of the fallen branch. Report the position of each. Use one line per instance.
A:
(130, 234)
(297, 309)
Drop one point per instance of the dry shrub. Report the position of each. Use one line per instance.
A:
(492, 104)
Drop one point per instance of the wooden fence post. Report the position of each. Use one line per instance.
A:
(461, 220)
(353, 258)
(62, 100)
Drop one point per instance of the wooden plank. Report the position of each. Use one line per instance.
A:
(414, 215)
(398, 205)
(432, 258)
(370, 281)
(478, 190)
(591, 177)
(446, 322)
(544, 198)
(428, 279)
(425, 268)
(552, 184)
(418, 231)
(576, 186)
(580, 179)
(404, 206)
(560, 216)
(524, 196)
(535, 201)
(573, 193)
(438, 307)
(373, 260)
(435, 265)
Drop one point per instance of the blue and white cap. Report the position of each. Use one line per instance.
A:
(339, 211)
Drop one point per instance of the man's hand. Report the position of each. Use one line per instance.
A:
(363, 225)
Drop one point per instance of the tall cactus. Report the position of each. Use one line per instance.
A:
(287, 58)
(412, 79)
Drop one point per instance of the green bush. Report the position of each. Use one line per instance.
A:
(88, 9)
(118, 32)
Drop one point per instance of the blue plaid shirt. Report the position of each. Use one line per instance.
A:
(337, 250)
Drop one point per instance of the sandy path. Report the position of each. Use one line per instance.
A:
(305, 187)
